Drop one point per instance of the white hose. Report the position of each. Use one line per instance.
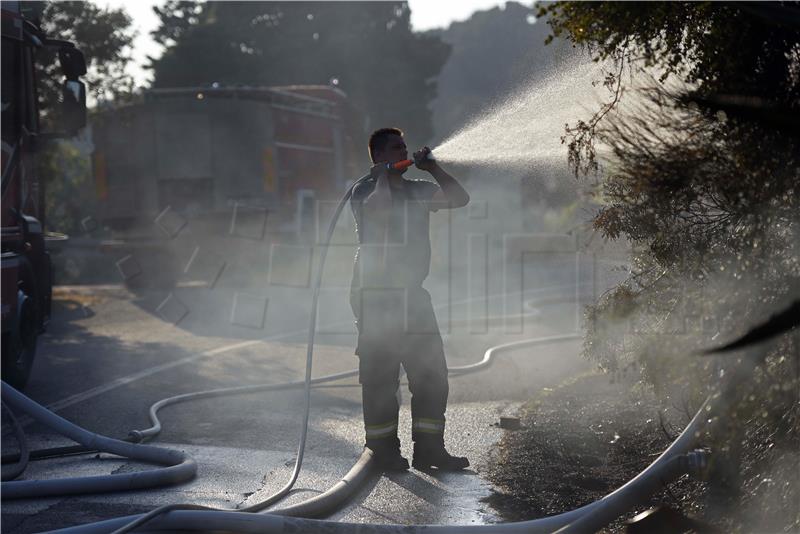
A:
(302, 508)
(667, 465)
(307, 381)
(273, 524)
(487, 360)
(180, 467)
(633, 492)
(177, 469)
(306, 384)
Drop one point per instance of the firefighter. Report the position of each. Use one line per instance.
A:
(394, 315)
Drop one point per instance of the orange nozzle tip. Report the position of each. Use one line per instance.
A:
(402, 165)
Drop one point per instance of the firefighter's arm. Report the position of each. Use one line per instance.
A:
(452, 194)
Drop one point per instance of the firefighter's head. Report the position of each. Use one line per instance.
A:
(386, 145)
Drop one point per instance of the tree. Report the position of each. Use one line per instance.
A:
(366, 48)
(719, 47)
(105, 37)
(177, 16)
(708, 198)
(71, 197)
(689, 183)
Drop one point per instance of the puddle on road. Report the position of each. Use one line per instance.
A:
(466, 502)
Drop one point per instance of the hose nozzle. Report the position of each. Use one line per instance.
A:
(400, 165)
(406, 163)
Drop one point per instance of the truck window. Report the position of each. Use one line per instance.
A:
(31, 113)
(10, 95)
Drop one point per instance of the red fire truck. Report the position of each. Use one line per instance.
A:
(205, 158)
(26, 270)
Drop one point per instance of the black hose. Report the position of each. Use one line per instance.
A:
(55, 452)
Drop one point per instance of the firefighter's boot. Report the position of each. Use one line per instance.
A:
(429, 452)
(386, 454)
(380, 423)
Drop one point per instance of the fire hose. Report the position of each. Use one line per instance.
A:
(674, 461)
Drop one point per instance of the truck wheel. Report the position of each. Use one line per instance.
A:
(19, 345)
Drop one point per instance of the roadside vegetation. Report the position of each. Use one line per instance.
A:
(704, 184)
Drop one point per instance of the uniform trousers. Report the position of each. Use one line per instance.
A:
(397, 326)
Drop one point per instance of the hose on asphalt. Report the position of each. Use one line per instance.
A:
(143, 436)
(593, 515)
(670, 463)
(708, 418)
(307, 381)
(306, 384)
(315, 507)
(21, 462)
(179, 466)
(487, 360)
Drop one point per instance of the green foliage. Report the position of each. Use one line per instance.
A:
(711, 207)
(368, 48)
(104, 36)
(715, 226)
(70, 190)
(717, 47)
(177, 16)
(707, 200)
(722, 46)
(709, 203)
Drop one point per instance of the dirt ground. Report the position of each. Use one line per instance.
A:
(579, 441)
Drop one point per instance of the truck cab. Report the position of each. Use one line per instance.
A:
(25, 262)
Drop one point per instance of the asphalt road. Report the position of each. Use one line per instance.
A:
(110, 353)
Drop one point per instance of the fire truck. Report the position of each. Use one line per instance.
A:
(26, 267)
(204, 159)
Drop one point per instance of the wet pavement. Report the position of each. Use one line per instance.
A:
(109, 357)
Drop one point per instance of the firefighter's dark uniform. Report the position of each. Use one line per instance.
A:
(395, 317)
